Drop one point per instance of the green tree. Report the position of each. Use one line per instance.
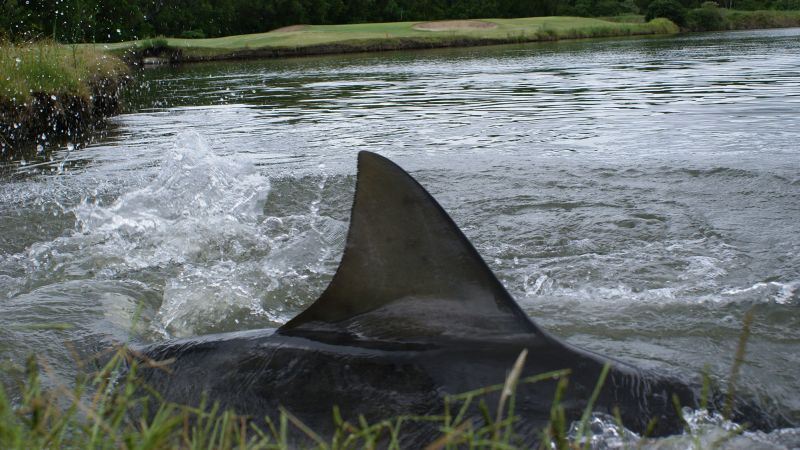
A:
(669, 9)
(392, 11)
(12, 19)
(705, 19)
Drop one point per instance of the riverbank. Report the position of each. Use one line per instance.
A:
(749, 20)
(49, 92)
(712, 18)
(303, 40)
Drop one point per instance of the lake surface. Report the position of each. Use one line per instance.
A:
(636, 196)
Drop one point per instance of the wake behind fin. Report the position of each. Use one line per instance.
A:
(407, 270)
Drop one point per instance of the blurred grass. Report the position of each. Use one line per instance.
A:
(111, 409)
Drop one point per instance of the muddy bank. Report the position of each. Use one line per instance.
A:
(47, 118)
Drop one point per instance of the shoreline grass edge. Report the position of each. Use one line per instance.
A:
(307, 40)
(51, 92)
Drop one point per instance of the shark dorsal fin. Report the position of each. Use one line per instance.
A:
(407, 270)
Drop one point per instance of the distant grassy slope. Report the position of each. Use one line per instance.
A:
(397, 35)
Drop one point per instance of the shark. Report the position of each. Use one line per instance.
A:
(411, 316)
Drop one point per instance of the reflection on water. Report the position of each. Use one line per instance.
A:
(637, 196)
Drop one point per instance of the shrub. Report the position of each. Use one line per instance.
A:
(668, 9)
(663, 26)
(193, 34)
(607, 8)
(705, 19)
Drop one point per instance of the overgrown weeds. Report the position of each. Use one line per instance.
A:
(50, 91)
(53, 69)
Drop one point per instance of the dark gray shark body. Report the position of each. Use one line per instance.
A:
(413, 314)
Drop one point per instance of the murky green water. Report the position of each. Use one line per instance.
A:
(637, 196)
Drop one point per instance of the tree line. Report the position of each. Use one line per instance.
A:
(118, 20)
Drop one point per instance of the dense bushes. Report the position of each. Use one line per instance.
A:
(748, 20)
(668, 9)
(707, 18)
(712, 18)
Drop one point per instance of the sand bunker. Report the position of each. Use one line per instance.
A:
(449, 25)
(289, 29)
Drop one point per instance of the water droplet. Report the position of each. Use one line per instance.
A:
(39, 148)
(53, 97)
(70, 146)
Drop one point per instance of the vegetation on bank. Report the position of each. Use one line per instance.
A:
(319, 39)
(48, 90)
(710, 17)
(56, 69)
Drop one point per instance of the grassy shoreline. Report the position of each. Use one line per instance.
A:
(305, 40)
(330, 39)
(50, 91)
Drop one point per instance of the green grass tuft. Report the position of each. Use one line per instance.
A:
(53, 69)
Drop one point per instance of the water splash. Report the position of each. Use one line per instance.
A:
(202, 229)
(772, 291)
(193, 186)
(705, 430)
(603, 432)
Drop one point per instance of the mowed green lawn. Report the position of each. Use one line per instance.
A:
(501, 30)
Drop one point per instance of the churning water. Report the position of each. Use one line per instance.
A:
(636, 196)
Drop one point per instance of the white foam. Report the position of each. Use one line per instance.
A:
(706, 430)
(771, 291)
